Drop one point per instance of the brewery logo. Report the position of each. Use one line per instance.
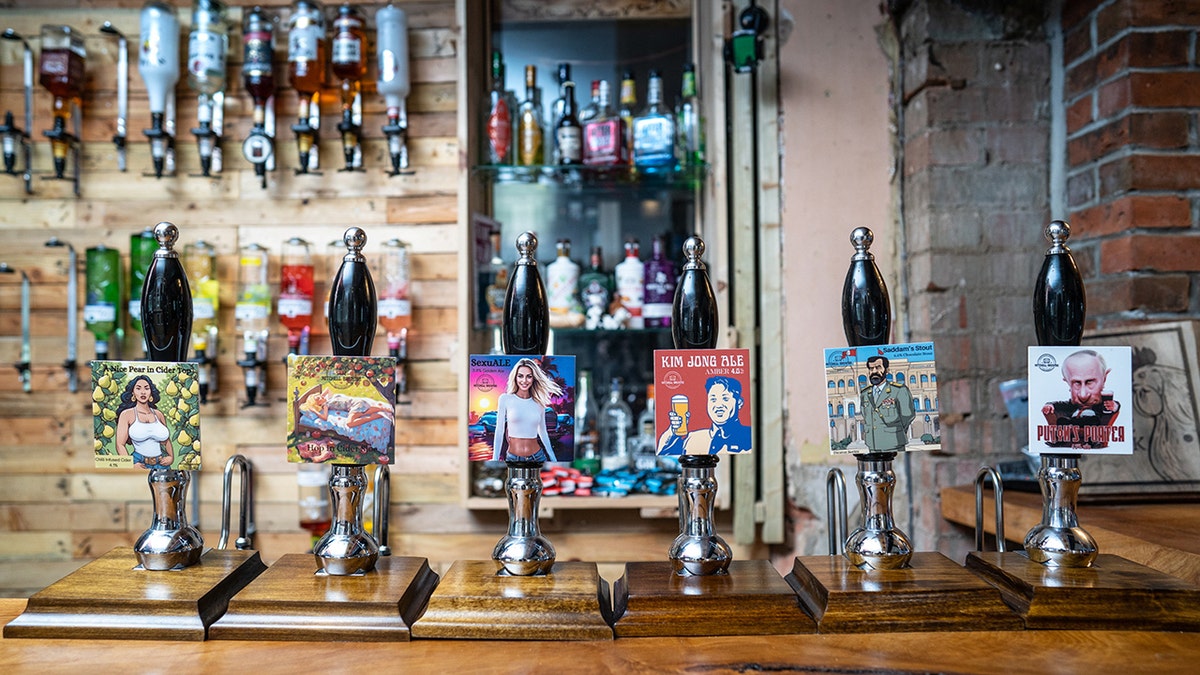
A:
(1046, 363)
(672, 380)
(485, 383)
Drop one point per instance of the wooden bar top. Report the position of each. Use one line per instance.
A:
(1165, 537)
(1040, 652)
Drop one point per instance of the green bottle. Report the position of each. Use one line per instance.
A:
(102, 305)
(141, 253)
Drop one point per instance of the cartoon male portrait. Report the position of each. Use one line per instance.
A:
(887, 408)
(1085, 373)
(723, 402)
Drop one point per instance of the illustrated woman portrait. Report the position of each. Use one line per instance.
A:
(521, 414)
(141, 425)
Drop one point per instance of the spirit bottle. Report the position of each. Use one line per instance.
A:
(562, 280)
(251, 312)
(102, 299)
(616, 429)
(654, 132)
(529, 123)
(556, 112)
(499, 122)
(660, 287)
(568, 135)
(200, 263)
(307, 50)
(603, 135)
(526, 329)
(628, 105)
(295, 306)
(61, 70)
(258, 75)
(630, 276)
(207, 45)
(395, 304)
(349, 59)
(158, 62)
(595, 287)
(391, 37)
(498, 286)
(592, 108)
(587, 439)
(141, 253)
(688, 124)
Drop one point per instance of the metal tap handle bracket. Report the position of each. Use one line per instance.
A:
(246, 527)
(122, 91)
(998, 491)
(523, 551)
(835, 510)
(699, 550)
(383, 503)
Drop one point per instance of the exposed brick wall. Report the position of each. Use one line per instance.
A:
(976, 144)
(1132, 96)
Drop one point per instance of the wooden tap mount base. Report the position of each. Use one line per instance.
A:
(752, 599)
(109, 599)
(932, 594)
(473, 601)
(290, 601)
(1112, 594)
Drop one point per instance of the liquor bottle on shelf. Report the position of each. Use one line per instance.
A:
(556, 111)
(630, 276)
(142, 246)
(616, 430)
(252, 311)
(590, 110)
(498, 286)
(349, 59)
(62, 71)
(395, 305)
(627, 106)
(307, 50)
(498, 123)
(562, 284)
(258, 75)
(568, 134)
(296, 293)
(102, 297)
(158, 63)
(654, 132)
(391, 38)
(200, 263)
(603, 135)
(659, 287)
(530, 138)
(587, 435)
(644, 453)
(207, 45)
(689, 126)
(595, 289)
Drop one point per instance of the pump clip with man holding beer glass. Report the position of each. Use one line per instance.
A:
(709, 411)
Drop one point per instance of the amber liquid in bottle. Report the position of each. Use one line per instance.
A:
(258, 72)
(349, 58)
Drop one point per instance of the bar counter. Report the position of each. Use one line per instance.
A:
(1040, 652)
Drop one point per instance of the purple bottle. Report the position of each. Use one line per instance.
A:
(660, 287)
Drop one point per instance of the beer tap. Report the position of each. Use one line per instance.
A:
(62, 71)
(252, 311)
(523, 550)
(347, 548)
(102, 301)
(72, 312)
(349, 59)
(200, 263)
(698, 550)
(395, 306)
(10, 135)
(158, 63)
(258, 73)
(391, 36)
(122, 90)
(22, 366)
(307, 47)
(171, 542)
(296, 294)
(866, 321)
(207, 46)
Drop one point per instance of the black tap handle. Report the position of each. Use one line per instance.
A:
(166, 301)
(526, 312)
(866, 308)
(353, 305)
(1059, 301)
(694, 310)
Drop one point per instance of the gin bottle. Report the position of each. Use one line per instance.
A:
(616, 427)
(660, 288)
(654, 132)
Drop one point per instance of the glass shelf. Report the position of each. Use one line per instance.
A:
(581, 175)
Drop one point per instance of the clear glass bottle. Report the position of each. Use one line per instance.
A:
(395, 305)
(587, 439)
(616, 430)
(158, 64)
(644, 455)
(630, 276)
(659, 287)
(654, 132)
(530, 137)
(208, 44)
(603, 135)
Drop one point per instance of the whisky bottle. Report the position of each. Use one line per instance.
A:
(654, 132)
(603, 135)
(590, 110)
(568, 134)
(498, 125)
(530, 138)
